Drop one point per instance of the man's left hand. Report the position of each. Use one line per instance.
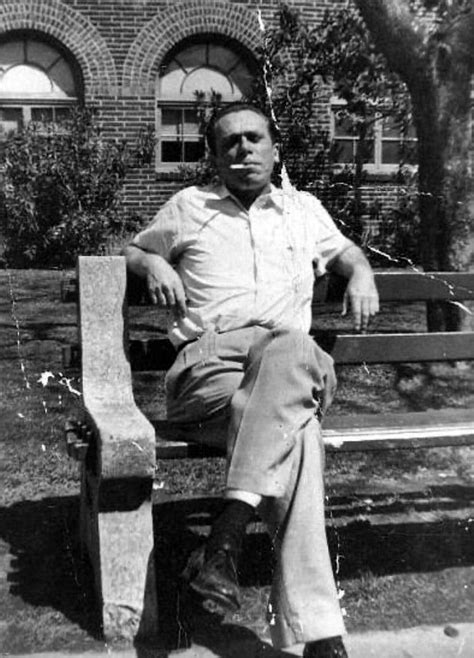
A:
(362, 297)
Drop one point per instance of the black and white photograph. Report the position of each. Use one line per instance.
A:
(236, 330)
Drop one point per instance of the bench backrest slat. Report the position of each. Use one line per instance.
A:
(346, 349)
(415, 286)
(392, 286)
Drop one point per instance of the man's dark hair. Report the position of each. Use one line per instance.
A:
(231, 109)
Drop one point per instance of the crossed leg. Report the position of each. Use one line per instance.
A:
(268, 387)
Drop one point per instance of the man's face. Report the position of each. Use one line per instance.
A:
(245, 154)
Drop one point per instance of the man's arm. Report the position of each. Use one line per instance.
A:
(164, 284)
(361, 293)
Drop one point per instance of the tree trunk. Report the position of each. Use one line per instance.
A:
(438, 75)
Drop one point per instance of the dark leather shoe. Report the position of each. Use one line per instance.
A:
(214, 579)
(331, 647)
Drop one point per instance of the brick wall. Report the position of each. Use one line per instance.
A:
(119, 46)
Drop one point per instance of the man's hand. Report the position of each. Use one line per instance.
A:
(164, 284)
(362, 298)
(361, 293)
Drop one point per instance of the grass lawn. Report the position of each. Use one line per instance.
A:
(403, 548)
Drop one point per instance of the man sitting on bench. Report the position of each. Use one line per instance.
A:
(234, 265)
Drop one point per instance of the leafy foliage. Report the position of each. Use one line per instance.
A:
(304, 67)
(61, 192)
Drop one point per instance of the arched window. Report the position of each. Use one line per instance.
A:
(202, 69)
(37, 83)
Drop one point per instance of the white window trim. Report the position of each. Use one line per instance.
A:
(372, 168)
(26, 101)
(170, 167)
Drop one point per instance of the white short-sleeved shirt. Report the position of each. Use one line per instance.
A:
(243, 267)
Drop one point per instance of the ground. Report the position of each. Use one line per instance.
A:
(400, 524)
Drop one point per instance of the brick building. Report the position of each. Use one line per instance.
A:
(139, 62)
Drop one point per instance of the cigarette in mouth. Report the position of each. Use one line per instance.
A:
(239, 166)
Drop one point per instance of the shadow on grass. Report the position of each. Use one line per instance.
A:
(401, 548)
(47, 570)
(358, 547)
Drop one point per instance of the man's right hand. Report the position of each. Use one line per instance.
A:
(164, 284)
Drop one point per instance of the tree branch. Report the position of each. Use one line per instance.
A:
(459, 36)
(391, 25)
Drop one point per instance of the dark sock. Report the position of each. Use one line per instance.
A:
(229, 528)
(331, 647)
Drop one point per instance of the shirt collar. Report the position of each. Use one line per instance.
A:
(275, 195)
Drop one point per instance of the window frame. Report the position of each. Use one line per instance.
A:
(171, 165)
(377, 167)
(28, 102)
(242, 60)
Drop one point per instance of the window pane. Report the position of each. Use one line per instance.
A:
(222, 58)
(62, 113)
(344, 150)
(11, 53)
(368, 154)
(11, 120)
(24, 79)
(41, 53)
(207, 80)
(390, 152)
(243, 80)
(396, 152)
(343, 126)
(43, 114)
(390, 127)
(171, 151)
(193, 151)
(192, 56)
(171, 121)
(191, 124)
(61, 74)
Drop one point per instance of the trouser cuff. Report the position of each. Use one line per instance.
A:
(321, 626)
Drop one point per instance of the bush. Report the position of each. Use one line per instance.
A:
(399, 237)
(61, 197)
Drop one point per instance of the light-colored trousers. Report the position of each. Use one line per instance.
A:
(266, 389)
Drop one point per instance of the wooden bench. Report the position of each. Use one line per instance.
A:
(118, 445)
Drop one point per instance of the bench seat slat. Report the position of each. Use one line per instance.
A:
(432, 428)
(400, 348)
(417, 429)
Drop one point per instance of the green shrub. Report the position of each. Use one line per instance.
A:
(61, 192)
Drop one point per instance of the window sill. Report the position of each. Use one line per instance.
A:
(376, 176)
(171, 175)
